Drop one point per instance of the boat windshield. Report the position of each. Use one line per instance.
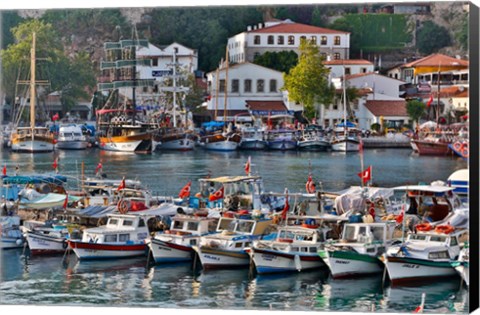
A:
(245, 227)
(417, 237)
(438, 238)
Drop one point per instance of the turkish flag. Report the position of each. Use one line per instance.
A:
(122, 185)
(4, 172)
(430, 100)
(55, 164)
(247, 167)
(366, 175)
(286, 207)
(65, 203)
(185, 192)
(217, 195)
(99, 167)
(55, 117)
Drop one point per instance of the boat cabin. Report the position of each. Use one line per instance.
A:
(437, 243)
(128, 229)
(228, 225)
(191, 225)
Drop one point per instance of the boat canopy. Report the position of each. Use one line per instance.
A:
(349, 124)
(230, 179)
(35, 179)
(428, 189)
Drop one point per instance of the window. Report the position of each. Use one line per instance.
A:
(193, 242)
(192, 226)
(323, 55)
(313, 40)
(141, 223)
(221, 86)
(280, 40)
(155, 62)
(111, 238)
(291, 40)
(238, 245)
(260, 85)
(273, 85)
(323, 40)
(123, 237)
(112, 222)
(128, 223)
(247, 86)
(256, 40)
(336, 40)
(313, 249)
(235, 85)
(336, 56)
(363, 70)
(270, 39)
(303, 38)
(347, 70)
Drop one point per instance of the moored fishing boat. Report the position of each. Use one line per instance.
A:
(345, 138)
(462, 264)
(71, 137)
(294, 249)
(47, 240)
(174, 139)
(123, 236)
(312, 139)
(221, 141)
(359, 249)
(10, 233)
(253, 138)
(282, 139)
(426, 254)
(175, 244)
(226, 248)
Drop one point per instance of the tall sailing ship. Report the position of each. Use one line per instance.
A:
(31, 139)
(119, 127)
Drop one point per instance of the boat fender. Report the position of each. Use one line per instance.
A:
(310, 187)
(465, 152)
(122, 206)
(457, 146)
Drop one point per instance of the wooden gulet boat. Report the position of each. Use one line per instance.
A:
(32, 139)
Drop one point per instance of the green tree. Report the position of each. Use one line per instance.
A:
(307, 83)
(69, 76)
(281, 61)
(431, 37)
(462, 34)
(415, 110)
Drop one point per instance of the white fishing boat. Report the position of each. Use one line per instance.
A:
(32, 139)
(31, 199)
(71, 137)
(282, 139)
(312, 139)
(462, 264)
(359, 250)
(294, 249)
(426, 254)
(48, 240)
(10, 233)
(253, 138)
(174, 139)
(226, 248)
(175, 244)
(123, 236)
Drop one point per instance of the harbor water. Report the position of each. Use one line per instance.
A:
(131, 283)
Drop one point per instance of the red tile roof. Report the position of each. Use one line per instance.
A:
(436, 60)
(297, 28)
(348, 62)
(266, 105)
(387, 108)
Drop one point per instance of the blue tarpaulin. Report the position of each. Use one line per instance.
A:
(349, 124)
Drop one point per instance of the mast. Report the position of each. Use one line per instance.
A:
(438, 96)
(344, 103)
(174, 89)
(225, 90)
(216, 93)
(32, 82)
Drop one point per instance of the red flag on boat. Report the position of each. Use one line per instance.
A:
(286, 207)
(399, 218)
(55, 164)
(98, 168)
(430, 100)
(122, 184)
(185, 192)
(217, 195)
(4, 171)
(366, 175)
(247, 167)
(65, 203)
(55, 117)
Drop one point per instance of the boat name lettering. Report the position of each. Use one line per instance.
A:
(211, 257)
(165, 248)
(142, 236)
(342, 262)
(411, 266)
(268, 257)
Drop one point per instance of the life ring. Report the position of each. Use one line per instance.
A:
(423, 227)
(309, 226)
(465, 152)
(445, 229)
(310, 187)
(285, 240)
(371, 210)
(457, 146)
(122, 206)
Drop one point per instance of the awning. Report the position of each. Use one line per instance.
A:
(265, 108)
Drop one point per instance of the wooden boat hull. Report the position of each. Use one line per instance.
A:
(44, 244)
(220, 142)
(272, 261)
(345, 146)
(403, 269)
(179, 142)
(91, 251)
(214, 258)
(431, 148)
(136, 143)
(166, 252)
(37, 144)
(343, 264)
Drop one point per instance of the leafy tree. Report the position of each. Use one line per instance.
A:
(431, 37)
(281, 61)
(68, 76)
(307, 82)
(462, 34)
(415, 110)
(8, 20)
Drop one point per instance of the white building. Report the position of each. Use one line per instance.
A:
(276, 36)
(352, 66)
(162, 60)
(247, 82)
(380, 84)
